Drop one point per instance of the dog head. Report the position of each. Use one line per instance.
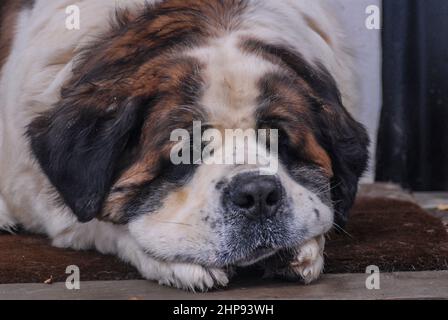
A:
(107, 145)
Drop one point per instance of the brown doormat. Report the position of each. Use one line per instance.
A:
(393, 235)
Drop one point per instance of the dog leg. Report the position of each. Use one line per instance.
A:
(112, 239)
(7, 222)
(184, 276)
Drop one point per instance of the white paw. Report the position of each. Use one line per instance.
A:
(193, 277)
(186, 276)
(305, 262)
(309, 261)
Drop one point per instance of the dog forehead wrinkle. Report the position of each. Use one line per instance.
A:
(231, 78)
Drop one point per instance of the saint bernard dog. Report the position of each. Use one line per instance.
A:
(86, 116)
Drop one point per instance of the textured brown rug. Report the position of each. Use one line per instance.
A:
(393, 235)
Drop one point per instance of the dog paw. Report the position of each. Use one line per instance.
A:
(305, 262)
(193, 277)
(309, 261)
(186, 276)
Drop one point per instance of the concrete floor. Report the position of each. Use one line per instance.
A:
(393, 286)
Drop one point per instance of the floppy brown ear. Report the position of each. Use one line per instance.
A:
(81, 147)
(346, 142)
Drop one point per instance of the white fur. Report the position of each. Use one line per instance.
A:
(41, 61)
(309, 262)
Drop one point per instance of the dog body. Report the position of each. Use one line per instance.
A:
(86, 117)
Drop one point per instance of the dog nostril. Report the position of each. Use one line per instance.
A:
(244, 201)
(273, 198)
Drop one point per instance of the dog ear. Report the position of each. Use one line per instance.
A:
(347, 142)
(80, 148)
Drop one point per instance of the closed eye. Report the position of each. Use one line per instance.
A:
(290, 154)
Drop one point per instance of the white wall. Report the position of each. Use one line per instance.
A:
(367, 45)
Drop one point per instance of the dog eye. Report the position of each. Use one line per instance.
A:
(176, 173)
(180, 172)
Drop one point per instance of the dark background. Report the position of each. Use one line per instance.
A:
(413, 134)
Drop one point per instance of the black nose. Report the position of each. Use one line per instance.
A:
(256, 195)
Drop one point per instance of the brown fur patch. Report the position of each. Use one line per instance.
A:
(164, 28)
(317, 79)
(285, 106)
(315, 151)
(176, 86)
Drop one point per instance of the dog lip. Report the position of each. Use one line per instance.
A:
(255, 256)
